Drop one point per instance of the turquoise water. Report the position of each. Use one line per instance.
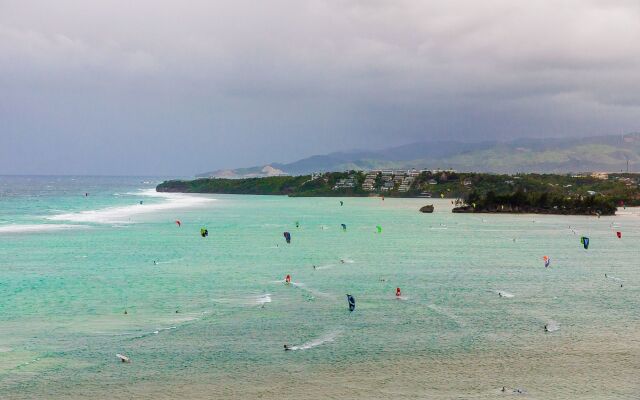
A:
(210, 317)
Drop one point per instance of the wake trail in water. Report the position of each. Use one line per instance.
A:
(551, 326)
(305, 288)
(264, 299)
(155, 332)
(330, 337)
(246, 301)
(167, 261)
(328, 266)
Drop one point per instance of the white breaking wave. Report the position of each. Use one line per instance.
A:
(123, 214)
(28, 228)
(330, 337)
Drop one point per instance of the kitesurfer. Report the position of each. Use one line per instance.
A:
(287, 279)
(341, 203)
(287, 347)
(398, 293)
(585, 242)
(352, 302)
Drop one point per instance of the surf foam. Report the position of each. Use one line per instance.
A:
(123, 214)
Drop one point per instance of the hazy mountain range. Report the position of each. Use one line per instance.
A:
(598, 153)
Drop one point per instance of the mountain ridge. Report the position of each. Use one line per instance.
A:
(543, 155)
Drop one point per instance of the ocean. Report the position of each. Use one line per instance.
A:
(209, 317)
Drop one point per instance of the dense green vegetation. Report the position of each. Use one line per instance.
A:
(537, 202)
(553, 193)
(276, 185)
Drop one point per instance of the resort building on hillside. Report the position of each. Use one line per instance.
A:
(406, 183)
(600, 175)
(345, 183)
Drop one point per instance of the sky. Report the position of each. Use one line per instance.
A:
(154, 87)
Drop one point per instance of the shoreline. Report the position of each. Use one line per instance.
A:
(605, 369)
(586, 213)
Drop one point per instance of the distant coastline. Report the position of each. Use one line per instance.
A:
(577, 194)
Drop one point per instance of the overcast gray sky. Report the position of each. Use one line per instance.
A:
(158, 87)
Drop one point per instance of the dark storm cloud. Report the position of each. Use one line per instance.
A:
(175, 88)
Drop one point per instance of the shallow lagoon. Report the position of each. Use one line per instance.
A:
(63, 292)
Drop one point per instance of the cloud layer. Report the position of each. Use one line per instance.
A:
(149, 87)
